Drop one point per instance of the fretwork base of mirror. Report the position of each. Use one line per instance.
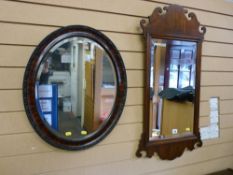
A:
(172, 89)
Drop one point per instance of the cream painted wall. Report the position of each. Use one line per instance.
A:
(23, 24)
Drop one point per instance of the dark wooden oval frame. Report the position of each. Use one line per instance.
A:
(30, 80)
(171, 23)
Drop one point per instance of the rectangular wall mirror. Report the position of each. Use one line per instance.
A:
(173, 40)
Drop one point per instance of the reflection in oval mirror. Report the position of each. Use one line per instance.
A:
(76, 87)
(172, 88)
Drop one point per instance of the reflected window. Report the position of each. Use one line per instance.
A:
(181, 64)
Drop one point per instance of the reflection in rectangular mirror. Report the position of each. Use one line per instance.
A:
(172, 88)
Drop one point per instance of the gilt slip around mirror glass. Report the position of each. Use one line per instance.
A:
(74, 87)
(172, 82)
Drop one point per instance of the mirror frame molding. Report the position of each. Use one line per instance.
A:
(30, 80)
(170, 23)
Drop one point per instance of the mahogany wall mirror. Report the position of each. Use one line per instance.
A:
(74, 87)
(172, 82)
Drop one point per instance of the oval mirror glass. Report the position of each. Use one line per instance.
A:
(74, 87)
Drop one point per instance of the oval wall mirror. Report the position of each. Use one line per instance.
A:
(74, 87)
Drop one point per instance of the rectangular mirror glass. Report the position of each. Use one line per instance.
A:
(172, 88)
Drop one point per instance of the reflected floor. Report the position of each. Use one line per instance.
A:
(69, 123)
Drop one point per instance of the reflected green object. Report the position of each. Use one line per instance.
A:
(178, 94)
